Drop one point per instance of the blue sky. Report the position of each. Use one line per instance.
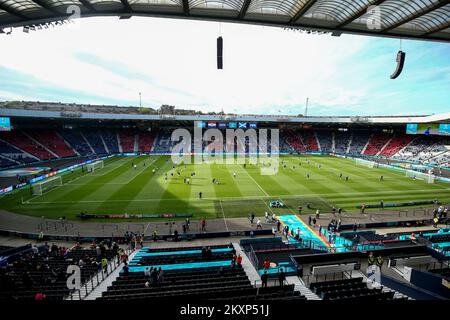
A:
(266, 70)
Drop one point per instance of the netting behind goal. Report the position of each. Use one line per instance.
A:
(429, 178)
(40, 188)
(94, 166)
(365, 163)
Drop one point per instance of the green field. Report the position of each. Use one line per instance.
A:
(118, 188)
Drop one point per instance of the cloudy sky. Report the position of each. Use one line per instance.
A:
(266, 70)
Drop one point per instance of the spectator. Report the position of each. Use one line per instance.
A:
(281, 276)
(264, 278)
(160, 275)
(39, 296)
(266, 263)
(239, 260)
(258, 224)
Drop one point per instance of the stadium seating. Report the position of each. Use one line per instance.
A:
(295, 141)
(349, 289)
(45, 270)
(127, 140)
(110, 138)
(376, 143)
(325, 140)
(224, 282)
(163, 142)
(23, 142)
(52, 141)
(310, 141)
(341, 142)
(94, 139)
(424, 148)
(397, 143)
(145, 141)
(77, 141)
(358, 142)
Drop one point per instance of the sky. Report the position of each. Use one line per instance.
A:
(267, 70)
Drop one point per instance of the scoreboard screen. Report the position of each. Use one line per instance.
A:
(444, 129)
(423, 128)
(5, 124)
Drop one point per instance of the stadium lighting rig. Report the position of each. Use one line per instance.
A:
(47, 25)
(308, 31)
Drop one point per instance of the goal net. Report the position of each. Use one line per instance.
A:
(365, 163)
(40, 188)
(91, 167)
(429, 178)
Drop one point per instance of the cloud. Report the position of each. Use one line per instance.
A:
(266, 69)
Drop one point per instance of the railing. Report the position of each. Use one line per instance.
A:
(308, 279)
(97, 278)
(253, 258)
(272, 282)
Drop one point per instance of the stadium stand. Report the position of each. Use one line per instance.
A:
(349, 289)
(310, 141)
(424, 148)
(52, 141)
(94, 139)
(110, 138)
(77, 141)
(341, 142)
(163, 142)
(376, 143)
(43, 269)
(325, 140)
(397, 143)
(295, 141)
(359, 141)
(145, 141)
(127, 140)
(23, 142)
(190, 272)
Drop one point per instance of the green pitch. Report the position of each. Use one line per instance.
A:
(120, 188)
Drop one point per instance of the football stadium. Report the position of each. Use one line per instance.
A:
(112, 188)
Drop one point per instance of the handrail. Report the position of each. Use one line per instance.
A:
(95, 280)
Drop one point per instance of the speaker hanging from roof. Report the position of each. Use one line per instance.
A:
(400, 62)
(219, 53)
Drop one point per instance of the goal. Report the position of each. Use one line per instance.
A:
(40, 188)
(429, 178)
(365, 163)
(91, 167)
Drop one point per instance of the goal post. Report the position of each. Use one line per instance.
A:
(427, 177)
(40, 188)
(91, 167)
(365, 163)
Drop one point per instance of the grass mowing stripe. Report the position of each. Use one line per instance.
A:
(141, 192)
(243, 169)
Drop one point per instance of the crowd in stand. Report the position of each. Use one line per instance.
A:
(41, 272)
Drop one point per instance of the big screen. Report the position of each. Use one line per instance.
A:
(5, 124)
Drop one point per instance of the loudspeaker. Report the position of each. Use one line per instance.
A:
(219, 53)
(400, 62)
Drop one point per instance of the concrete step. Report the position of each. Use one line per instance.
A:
(300, 286)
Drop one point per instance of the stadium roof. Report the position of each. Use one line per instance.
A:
(416, 19)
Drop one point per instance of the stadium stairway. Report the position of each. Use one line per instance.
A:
(359, 274)
(299, 286)
(248, 267)
(103, 286)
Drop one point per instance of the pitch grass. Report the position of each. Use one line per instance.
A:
(119, 188)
